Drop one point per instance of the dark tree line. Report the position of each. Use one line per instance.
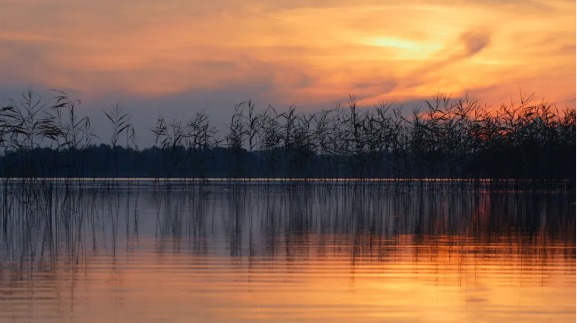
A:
(448, 138)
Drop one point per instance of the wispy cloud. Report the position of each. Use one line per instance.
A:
(24, 37)
(467, 45)
(475, 41)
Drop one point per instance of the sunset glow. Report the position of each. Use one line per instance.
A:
(331, 286)
(291, 52)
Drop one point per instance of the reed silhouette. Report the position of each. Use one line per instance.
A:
(447, 138)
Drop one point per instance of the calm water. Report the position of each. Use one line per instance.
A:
(353, 252)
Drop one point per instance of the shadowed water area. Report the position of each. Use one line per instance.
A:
(286, 251)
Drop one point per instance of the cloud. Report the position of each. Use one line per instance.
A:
(474, 41)
(441, 71)
(24, 37)
(469, 44)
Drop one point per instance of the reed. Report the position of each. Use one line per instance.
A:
(444, 138)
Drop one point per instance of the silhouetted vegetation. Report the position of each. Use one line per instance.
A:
(447, 138)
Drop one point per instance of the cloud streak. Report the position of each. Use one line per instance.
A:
(469, 44)
(475, 41)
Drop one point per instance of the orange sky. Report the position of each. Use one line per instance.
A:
(290, 52)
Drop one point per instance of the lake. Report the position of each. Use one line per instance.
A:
(287, 251)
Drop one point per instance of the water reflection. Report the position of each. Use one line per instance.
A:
(403, 251)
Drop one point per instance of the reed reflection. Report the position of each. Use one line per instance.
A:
(43, 221)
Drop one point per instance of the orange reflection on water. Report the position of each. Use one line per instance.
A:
(407, 278)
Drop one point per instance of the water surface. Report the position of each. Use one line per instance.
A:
(176, 251)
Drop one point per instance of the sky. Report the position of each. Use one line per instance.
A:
(172, 58)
